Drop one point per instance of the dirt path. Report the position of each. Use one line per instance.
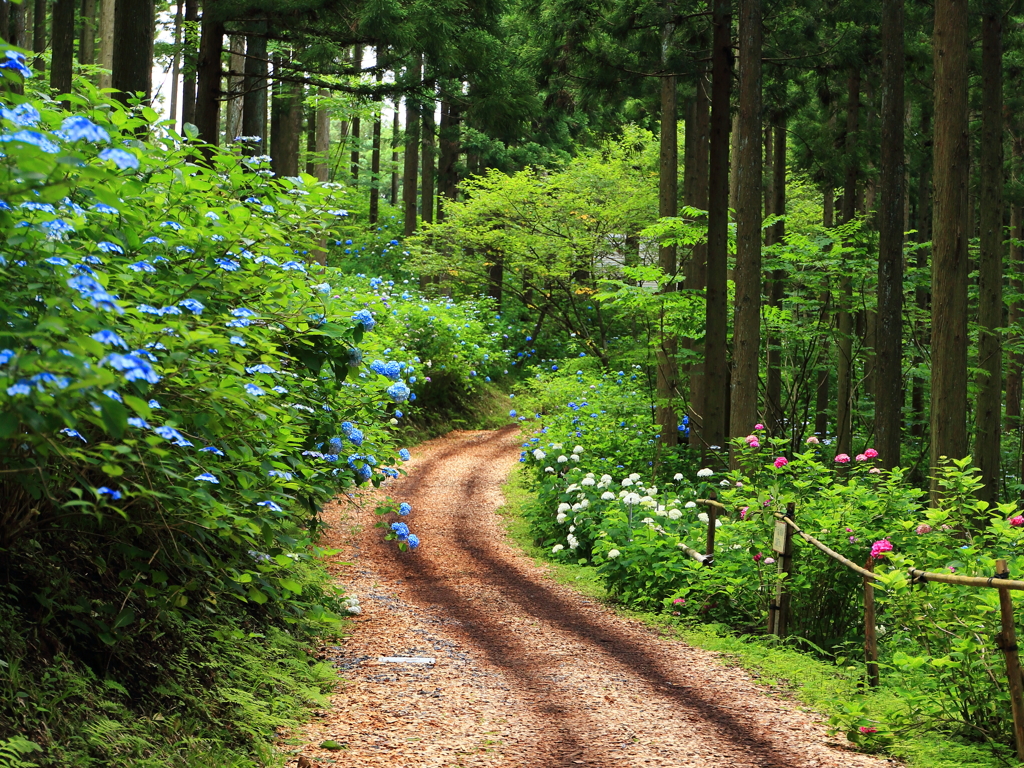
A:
(528, 674)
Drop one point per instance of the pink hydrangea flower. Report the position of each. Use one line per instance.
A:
(923, 528)
(861, 457)
(759, 426)
(871, 453)
(868, 729)
(758, 557)
(1017, 520)
(812, 440)
(874, 471)
(754, 444)
(780, 462)
(769, 561)
(842, 458)
(679, 601)
(743, 513)
(880, 547)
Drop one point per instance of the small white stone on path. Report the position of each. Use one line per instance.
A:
(406, 660)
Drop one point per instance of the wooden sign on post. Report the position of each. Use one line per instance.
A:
(781, 537)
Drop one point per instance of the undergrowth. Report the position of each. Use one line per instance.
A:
(834, 691)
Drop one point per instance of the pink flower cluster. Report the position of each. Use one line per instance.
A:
(923, 528)
(867, 729)
(812, 440)
(758, 557)
(879, 548)
(679, 601)
(1017, 520)
(752, 441)
(780, 462)
(842, 458)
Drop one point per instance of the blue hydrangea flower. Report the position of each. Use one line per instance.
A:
(142, 266)
(212, 449)
(238, 341)
(271, 505)
(260, 368)
(153, 404)
(105, 491)
(355, 435)
(123, 159)
(21, 388)
(364, 473)
(413, 541)
(401, 529)
(253, 390)
(267, 209)
(185, 249)
(281, 390)
(173, 225)
(113, 394)
(399, 414)
(138, 423)
(79, 128)
(6, 355)
(57, 228)
(207, 477)
(365, 317)
(192, 305)
(404, 508)
(35, 138)
(228, 265)
(73, 433)
(265, 260)
(15, 62)
(280, 473)
(104, 208)
(403, 454)
(32, 205)
(398, 392)
(58, 261)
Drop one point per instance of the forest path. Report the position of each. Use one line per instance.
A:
(528, 673)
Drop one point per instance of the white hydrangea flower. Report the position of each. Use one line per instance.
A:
(591, 475)
(674, 514)
(626, 482)
(556, 446)
(703, 517)
(557, 548)
(704, 472)
(678, 476)
(613, 553)
(632, 499)
(653, 490)
(648, 521)
(572, 488)
(606, 479)
(588, 481)
(573, 541)
(574, 456)
(690, 504)
(563, 507)
(584, 503)
(562, 459)
(549, 469)
(725, 484)
(608, 496)
(634, 477)
(575, 507)
(561, 518)
(572, 529)
(539, 455)
(578, 449)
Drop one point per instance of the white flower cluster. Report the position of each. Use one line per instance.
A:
(351, 605)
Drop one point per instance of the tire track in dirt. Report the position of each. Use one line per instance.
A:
(528, 673)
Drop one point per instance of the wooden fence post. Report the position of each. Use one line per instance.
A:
(712, 524)
(870, 633)
(778, 609)
(1008, 645)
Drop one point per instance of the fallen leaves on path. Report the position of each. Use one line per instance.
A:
(527, 673)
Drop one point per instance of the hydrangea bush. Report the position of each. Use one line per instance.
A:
(178, 377)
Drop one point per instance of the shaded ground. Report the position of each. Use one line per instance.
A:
(527, 673)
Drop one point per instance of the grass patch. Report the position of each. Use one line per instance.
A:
(817, 684)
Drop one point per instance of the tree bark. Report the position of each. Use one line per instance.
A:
(412, 142)
(208, 75)
(695, 194)
(776, 291)
(715, 363)
(988, 410)
(949, 240)
(823, 388)
(746, 344)
(236, 86)
(396, 129)
(18, 27)
(321, 162)
(287, 127)
(427, 162)
(1013, 370)
(844, 367)
(254, 104)
(667, 382)
(106, 56)
(87, 40)
(375, 158)
(39, 34)
(888, 366)
(357, 63)
(922, 296)
(448, 138)
(189, 61)
(62, 61)
(132, 66)
(175, 59)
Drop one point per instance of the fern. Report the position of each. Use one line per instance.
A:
(13, 751)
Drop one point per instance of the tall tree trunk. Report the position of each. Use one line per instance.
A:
(286, 112)
(5, 20)
(988, 411)
(321, 163)
(412, 142)
(357, 63)
(87, 40)
(746, 343)
(106, 56)
(39, 34)
(208, 75)
(175, 58)
(889, 329)
(776, 234)
(189, 61)
(132, 67)
(448, 139)
(236, 86)
(63, 47)
(427, 161)
(375, 158)
(823, 389)
(715, 363)
(254, 104)
(949, 241)
(667, 379)
(844, 373)
(396, 129)
(18, 26)
(695, 194)
(922, 296)
(1013, 370)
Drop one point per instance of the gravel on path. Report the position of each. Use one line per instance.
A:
(527, 673)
